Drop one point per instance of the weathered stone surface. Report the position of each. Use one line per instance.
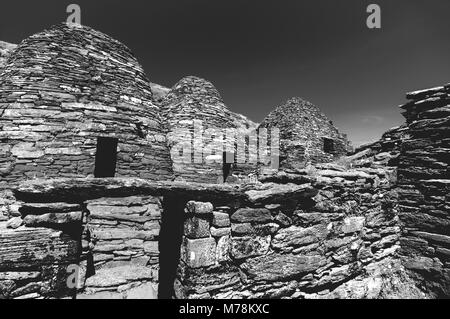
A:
(279, 193)
(423, 188)
(14, 223)
(242, 229)
(303, 128)
(221, 219)
(33, 287)
(293, 237)
(20, 275)
(220, 232)
(199, 252)
(283, 220)
(252, 215)
(223, 249)
(437, 238)
(46, 208)
(151, 247)
(199, 208)
(23, 248)
(111, 277)
(6, 287)
(52, 219)
(282, 267)
(196, 227)
(244, 247)
(352, 225)
(113, 234)
(145, 291)
(108, 295)
(112, 99)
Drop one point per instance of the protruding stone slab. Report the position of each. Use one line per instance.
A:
(252, 215)
(14, 223)
(199, 208)
(46, 208)
(53, 219)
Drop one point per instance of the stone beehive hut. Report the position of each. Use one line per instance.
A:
(306, 134)
(5, 51)
(71, 96)
(194, 109)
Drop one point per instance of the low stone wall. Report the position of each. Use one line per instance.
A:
(33, 262)
(424, 182)
(325, 233)
(336, 242)
(113, 247)
(123, 242)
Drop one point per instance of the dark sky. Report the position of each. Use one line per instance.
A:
(260, 53)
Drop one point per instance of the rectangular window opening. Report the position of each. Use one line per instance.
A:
(328, 145)
(106, 157)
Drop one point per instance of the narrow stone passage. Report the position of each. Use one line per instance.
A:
(169, 244)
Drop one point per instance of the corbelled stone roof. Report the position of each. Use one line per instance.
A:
(195, 99)
(303, 127)
(63, 88)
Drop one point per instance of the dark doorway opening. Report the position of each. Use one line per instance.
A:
(170, 238)
(106, 157)
(227, 160)
(328, 145)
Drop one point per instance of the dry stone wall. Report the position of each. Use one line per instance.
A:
(64, 88)
(5, 52)
(326, 232)
(424, 188)
(307, 136)
(335, 239)
(197, 124)
(112, 241)
(34, 261)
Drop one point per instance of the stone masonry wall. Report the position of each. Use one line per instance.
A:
(198, 122)
(323, 233)
(63, 88)
(303, 130)
(338, 241)
(424, 182)
(5, 51)
(116, 238)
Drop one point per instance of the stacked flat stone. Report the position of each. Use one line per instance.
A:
(5, 51)
(61, 90)
(339, 241)
(191, 100)
(424, 188)
(159, 92)
(303, 128)
(382, 154)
